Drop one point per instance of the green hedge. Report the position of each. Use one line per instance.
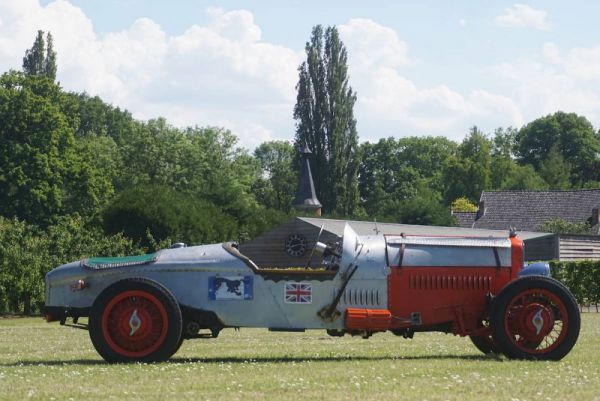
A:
(581, 277)
(27, 253)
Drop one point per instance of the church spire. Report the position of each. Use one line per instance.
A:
(306, 197)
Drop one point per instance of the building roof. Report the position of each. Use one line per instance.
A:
(371, 228)
(528, 210)
(465, 219)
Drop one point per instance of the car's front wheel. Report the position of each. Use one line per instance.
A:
(535, 318)
(135, 320)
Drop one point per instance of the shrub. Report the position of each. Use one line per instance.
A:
(581, 277)
(463, 204)
(27, 253)
(561, 226)
(153, 214)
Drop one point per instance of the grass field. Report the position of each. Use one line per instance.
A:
(45, 361)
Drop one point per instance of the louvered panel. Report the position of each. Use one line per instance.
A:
(449, 282)
(361, 297)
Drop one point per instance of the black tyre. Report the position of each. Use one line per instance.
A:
(135, 320)
(535, 318)
(179, 344)
(485, 343)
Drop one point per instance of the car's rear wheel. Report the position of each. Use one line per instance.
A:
(535, 318)
(135, 320)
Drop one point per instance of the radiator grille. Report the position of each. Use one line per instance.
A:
(361, 296)
(453, 282)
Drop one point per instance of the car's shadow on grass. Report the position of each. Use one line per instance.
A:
(344, 358)
(63, 362)
(266, 360)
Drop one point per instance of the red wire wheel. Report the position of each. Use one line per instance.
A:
(135, 323)
(535, 318)
(135, 320)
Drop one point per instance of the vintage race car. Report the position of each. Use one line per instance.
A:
(141, 308)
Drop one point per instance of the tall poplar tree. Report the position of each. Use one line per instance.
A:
(41, 58)
(325, 121)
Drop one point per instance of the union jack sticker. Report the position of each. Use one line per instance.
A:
(298, 293)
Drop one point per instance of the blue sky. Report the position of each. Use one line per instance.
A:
(419, 67)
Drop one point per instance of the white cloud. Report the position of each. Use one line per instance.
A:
(551, 53)
(218, 74)
(584, 64)
(522, 15)
(372, 44)
(553, 80)
(389, 103)
(237, 25)
(223, 73)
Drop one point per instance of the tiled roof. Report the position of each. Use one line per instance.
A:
(465, 219)
(527, 210)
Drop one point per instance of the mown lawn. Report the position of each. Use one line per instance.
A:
(45, 361)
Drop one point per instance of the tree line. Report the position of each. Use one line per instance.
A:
(415, 179)
(80, 177)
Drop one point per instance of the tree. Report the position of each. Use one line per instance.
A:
(427, 156)
(523, 178)
(91, 116)
(41, 58)
(91, 175)
(384, 177)
(561, 226)
(468, 173)
(45, 171)
(201, 162)
(215, 169)
(277, 184)
(503, 144)
(162, 213)
(572, 135)
(37, 149)
(424, 209)
(325, 121)
(555, 170)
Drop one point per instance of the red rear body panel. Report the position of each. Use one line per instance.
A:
(448, 294)
(443, 294)
(438, 295)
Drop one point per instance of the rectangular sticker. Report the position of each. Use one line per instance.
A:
(298, 293)
(230, 288)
